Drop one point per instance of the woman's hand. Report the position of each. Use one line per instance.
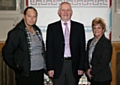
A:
(88, 73)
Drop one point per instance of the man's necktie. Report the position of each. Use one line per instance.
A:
(67, 39)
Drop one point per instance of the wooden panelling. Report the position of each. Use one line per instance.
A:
(116, 49)
(1, 45)
(7, 76)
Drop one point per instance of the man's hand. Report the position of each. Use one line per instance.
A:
(88, 73)
(80, 72)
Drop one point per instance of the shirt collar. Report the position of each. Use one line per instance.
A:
(68, 22)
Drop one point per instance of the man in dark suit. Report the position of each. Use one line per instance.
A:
(65, 48)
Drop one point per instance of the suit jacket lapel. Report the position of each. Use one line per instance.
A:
(97, 46)
(99, 41)
(60, 31)
(71, 29)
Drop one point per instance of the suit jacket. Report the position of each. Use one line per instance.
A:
(101, 58)
(55, 47)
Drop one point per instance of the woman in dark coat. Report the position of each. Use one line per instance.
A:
(24, 50)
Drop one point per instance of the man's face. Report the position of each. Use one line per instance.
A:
(65, 12)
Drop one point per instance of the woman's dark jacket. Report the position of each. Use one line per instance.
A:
(101, 59)
(16, 49)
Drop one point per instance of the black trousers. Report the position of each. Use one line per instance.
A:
(101, 83)
(34, 78)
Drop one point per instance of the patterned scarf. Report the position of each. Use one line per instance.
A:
(29, 39)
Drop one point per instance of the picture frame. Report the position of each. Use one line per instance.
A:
(11, 6)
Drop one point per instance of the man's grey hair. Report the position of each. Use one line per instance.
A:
(64, 3)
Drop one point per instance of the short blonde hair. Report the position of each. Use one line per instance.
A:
(101, 21)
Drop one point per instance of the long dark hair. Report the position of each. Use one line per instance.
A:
(30, 7)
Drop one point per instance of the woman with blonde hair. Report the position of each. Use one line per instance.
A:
(99, 52)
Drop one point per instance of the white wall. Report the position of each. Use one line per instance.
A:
(9, 18)
(85, 13)
(7, 22)
(115, 22)
(47, 14)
